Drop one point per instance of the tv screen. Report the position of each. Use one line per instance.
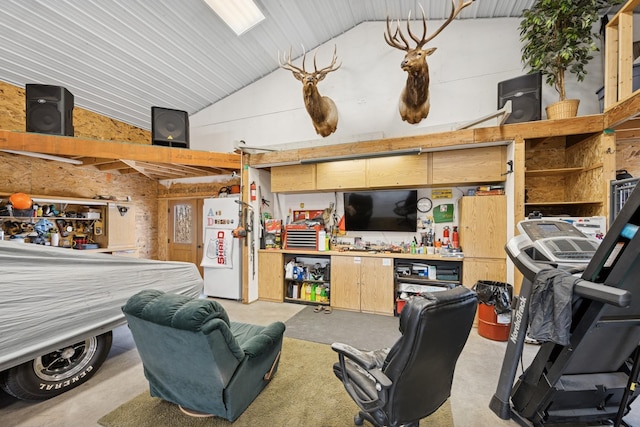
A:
(389, 210)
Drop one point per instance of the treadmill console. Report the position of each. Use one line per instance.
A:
(559, 241)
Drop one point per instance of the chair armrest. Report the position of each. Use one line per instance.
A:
(366, 375)
(264, 341)
(364, 360)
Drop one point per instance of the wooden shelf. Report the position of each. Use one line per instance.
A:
(304, 301)
(53, 218)
(582, 202)
(66, 200)
(552, 172)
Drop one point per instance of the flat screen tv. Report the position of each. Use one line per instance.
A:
(388, 210)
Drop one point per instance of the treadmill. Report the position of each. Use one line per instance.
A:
(591, 380)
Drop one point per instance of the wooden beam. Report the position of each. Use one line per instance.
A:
(584, 125)
(70, 146)
(622, 112)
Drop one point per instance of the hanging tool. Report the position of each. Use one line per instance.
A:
(245, 229)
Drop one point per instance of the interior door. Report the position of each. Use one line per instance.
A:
(185, 231)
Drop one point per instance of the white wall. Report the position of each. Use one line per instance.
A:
(472, 57)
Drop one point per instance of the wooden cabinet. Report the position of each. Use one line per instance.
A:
(483, 231)
(293, 178)
(464, 167)
(469, 166)
(362, 284)
(475, 269)
(119, 226)
(270, 276)
(340, 175)
(398, 171)
(483, 235)
(569, 176)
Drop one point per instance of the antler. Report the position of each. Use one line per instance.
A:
(320, 74)
(299, 73)
(394, 42)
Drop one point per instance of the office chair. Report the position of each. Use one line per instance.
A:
(412, 379)
(195, 357)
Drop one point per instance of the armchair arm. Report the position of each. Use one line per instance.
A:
(264, 341)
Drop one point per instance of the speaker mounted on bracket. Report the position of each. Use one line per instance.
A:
(169, 128)
(525, 93)
(49, 109)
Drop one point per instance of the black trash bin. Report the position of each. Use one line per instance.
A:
(494, 310)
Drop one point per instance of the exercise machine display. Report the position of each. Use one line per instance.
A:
(557, 241)
(592, 379)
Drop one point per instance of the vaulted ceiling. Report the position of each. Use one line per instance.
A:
(121, 57)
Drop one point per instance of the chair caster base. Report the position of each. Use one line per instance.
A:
(358, 420)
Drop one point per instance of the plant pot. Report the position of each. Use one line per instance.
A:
(563, 109)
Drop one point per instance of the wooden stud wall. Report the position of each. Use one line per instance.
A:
(43, 177)
(203, 190)
(628, 156)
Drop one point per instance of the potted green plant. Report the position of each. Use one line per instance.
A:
(557, 37)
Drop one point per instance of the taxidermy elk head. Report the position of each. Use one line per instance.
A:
(322, 110)
(414, 100)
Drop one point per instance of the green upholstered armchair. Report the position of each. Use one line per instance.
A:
(196, 358)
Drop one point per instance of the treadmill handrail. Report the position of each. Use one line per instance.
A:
(593, 291)
(603, 293)
(583, 288)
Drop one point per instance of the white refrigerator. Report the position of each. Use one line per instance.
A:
(222, 252)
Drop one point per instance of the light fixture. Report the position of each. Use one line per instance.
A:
(240, 15)
(44, 156)
(416, 150)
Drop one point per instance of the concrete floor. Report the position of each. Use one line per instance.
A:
(121, 378)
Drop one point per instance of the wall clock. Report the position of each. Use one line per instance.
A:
(424, 204)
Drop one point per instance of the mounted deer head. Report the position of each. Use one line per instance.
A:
(414, 100)
(322, 110)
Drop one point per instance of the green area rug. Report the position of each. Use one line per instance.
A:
(304, 392)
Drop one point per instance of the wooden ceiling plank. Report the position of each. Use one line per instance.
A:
(114, 165)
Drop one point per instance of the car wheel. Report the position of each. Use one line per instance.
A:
(57, 372)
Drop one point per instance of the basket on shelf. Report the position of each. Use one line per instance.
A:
(563, 109)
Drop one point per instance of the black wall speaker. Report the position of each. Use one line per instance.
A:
(169, 127)
(525, 93)
(49, 109)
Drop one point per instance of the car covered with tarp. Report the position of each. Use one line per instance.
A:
(58, 308)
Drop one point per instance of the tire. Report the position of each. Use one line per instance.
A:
(57, 372)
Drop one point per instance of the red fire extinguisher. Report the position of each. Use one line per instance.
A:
(252, 190)
(445, 236)
(455, 239)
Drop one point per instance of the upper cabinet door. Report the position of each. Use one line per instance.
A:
(398, 171)
(342, 175)
(293, 178)
(469, 166)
